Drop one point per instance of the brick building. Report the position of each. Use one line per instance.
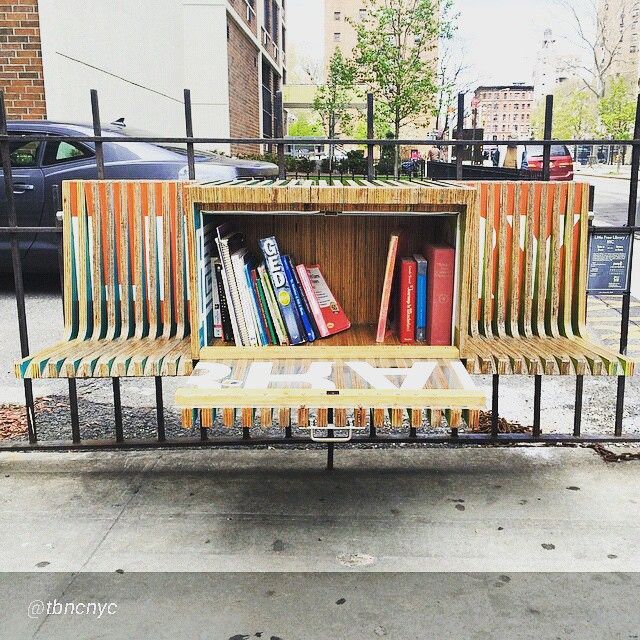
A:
(140, 56)
(504, 111)
(21, 60)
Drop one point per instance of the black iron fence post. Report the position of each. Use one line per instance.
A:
(460, 136)
(97, 132)
(279, 131)
(370, 135)
(546, 145)
(626, 298)
(191, 169)
(16, 261)
(188, 119)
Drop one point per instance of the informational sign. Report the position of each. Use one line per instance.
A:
(609, 263)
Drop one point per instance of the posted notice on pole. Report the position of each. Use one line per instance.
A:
(609, 263)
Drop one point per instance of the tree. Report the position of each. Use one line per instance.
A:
(333, 99)
(600, 37)
(575, 113)
(617, 111)
(451, 70)
(394, 41)
(303, 127)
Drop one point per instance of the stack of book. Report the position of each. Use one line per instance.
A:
(421, 289)
(269, 301)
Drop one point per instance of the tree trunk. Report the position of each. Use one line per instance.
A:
(396, 154)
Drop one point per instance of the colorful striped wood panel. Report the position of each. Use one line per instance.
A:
(527, 299)
(126, 299)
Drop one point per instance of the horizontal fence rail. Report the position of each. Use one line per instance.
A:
(13, 230)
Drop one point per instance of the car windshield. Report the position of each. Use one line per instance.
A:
(535, 150)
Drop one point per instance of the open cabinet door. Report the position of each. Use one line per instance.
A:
(294, 383)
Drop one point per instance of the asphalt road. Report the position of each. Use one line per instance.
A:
(611, 199)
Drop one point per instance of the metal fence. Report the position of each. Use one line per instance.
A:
(13, 230)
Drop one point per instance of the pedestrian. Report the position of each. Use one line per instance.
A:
(512, 156)
(434, 154)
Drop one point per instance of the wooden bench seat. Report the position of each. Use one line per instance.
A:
(527, 307)
(125, 294)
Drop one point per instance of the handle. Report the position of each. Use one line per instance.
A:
(21, 187)
(316, 438)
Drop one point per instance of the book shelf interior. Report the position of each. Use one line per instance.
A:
(351, 250)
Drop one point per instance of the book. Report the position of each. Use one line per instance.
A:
(386, 287)
(421, 298)
(441, 269)
(228, 240)
(305, 302)
(333, 314)
(217, 314)
(310, 295)
(281, 288)
(303, 316)
(245, 309)
(264, 309)
(260, 324)
(227, 330)
(407, 300)
(274, 310)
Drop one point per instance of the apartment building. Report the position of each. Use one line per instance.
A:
(553, 67)
(618, 22)
(504, 111)
(140, 56)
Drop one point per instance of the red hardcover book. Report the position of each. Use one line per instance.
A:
(440, 276)
(407, 300)
(386, 287)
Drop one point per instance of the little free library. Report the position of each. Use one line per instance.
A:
(324, 305)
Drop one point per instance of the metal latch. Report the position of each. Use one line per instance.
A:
(331, 439)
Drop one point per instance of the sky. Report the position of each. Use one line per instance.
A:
(500, 37)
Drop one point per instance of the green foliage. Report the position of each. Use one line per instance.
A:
(617, 109)
(303, 127)
(575, 113)
(394, 41)
(332, 99)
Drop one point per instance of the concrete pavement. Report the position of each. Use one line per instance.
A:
(381, 510)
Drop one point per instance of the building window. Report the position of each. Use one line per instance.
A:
(363, 14)
(337, 15)
(336, 37)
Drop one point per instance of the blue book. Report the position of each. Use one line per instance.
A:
(421, 299)
(262, 330)
(281, 288)
(298, 299)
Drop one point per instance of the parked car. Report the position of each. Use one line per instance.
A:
(39, 166)
(561, 167)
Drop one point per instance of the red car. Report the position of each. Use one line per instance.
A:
(561, 161)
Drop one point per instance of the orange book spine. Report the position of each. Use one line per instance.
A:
(386, 289)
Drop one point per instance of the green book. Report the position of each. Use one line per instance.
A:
(265, 308)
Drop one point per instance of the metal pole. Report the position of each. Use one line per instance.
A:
(460, 136)
(18, 282)
(97, 132)
(495, 411)
(330, 446)
(160, 410)
(188, 118)
(577, 415)
(546, 175)
(546, 144)
(73, 406)
(370, 135)
(279, 122)
(626, 298)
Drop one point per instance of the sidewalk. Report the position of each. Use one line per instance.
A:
(603, 171)
(399, 509)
